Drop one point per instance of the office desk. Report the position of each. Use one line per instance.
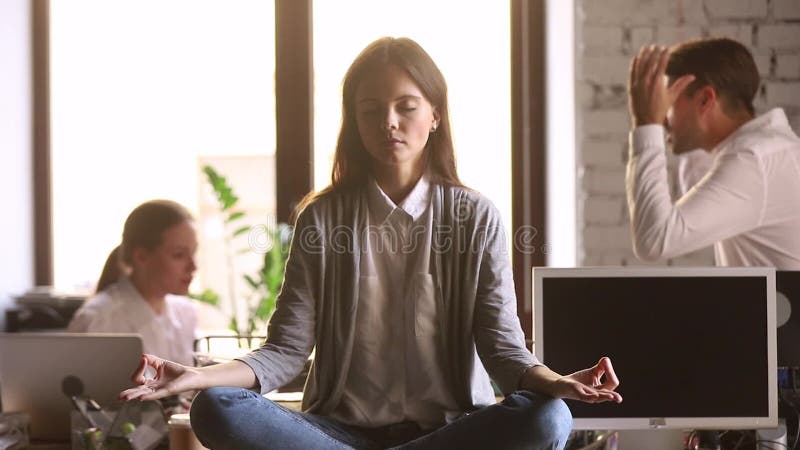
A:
(59, 446)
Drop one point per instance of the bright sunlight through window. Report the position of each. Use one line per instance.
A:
(140, 91)
(469, 41)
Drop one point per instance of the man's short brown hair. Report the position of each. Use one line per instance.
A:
(722, 63)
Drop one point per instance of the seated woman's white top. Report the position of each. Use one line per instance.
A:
(121, 309)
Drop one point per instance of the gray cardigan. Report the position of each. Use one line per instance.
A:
(317, 306)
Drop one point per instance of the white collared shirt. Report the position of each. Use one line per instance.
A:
(120, 308)
(692, 167)
(747, 203)
(397, 370)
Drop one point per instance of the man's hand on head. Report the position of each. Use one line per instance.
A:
(649, 98)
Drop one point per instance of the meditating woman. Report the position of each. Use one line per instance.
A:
(399, 277)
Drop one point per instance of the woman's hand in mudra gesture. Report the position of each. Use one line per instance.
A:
(593, 385)
(157, 378)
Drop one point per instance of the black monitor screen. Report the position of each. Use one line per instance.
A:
(682, 346)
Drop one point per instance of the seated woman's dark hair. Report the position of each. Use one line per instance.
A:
(143, 228)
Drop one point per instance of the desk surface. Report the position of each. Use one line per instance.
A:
(50, 446)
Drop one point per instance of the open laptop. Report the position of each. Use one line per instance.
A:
(36, 369)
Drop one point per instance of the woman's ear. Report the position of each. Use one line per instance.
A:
(139, 257)
(436, 119)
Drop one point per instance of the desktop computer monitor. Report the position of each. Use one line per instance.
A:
(787, 315)
(693, 347)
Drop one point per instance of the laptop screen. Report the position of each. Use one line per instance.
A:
(36, 369)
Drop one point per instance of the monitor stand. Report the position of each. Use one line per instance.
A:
(650, 439)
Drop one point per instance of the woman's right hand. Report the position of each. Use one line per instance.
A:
(170, 379)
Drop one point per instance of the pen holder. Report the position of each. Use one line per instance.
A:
(135, 426)
(14, 430)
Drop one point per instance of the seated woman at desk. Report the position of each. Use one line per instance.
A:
(400, 278)
(144, 281)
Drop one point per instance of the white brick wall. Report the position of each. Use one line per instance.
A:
(787, 67)
(629, 12)
(639, 37)
(603, 153)
(786, 9)
(794, 121)
(785, 94)
(669, 35)
(783, 36)
(606, 123)
(584, 94)
(741, 32)
(737, 9)
(687, 12)
(603, 181)
(614, 30)
(764, 63)
(604, 210)
(602, 40)
(604, 237)
(605, 70)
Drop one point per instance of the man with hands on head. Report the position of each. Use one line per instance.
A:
(700, 93)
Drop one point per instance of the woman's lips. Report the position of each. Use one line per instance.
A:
(391, 142)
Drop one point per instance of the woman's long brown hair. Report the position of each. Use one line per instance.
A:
(351, 164)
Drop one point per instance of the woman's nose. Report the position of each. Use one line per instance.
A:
(389, 121)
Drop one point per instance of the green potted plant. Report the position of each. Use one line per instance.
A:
(264, 284)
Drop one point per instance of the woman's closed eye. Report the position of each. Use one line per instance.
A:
(407, 106)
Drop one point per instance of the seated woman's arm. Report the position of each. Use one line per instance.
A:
(500, 341)
(157, 378)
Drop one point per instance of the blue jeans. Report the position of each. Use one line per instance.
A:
(234, 418)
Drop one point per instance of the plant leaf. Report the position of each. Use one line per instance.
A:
(251, 281)
(207, 296)
(233, 325)
(234, 216)
(219, 184)
(241, 230)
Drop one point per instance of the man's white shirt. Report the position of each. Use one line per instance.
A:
(747, 203)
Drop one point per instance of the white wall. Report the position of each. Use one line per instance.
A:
(16, 225)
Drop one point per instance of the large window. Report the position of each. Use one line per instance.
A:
(144, 92)
(141, 93)
(469, 41)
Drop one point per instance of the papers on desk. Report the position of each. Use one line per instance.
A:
(276, 396)
(46, 295)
